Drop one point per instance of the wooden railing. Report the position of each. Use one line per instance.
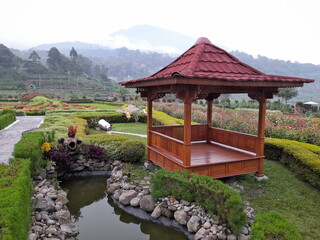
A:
(198, 131)
(167, 144)
(239, 140)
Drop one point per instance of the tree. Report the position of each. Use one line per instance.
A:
(122, 92)
(6, 57)
(34, 56)
(73, 54)
(287, 94)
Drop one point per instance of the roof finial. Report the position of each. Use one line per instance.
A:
(203, 40)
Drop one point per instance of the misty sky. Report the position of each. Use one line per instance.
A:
(283, 29)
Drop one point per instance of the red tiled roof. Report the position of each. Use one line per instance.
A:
(207, 61)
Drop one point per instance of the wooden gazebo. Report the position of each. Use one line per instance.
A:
(205, 71)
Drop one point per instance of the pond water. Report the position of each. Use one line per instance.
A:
(98, 218)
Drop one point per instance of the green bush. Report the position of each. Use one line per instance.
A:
(118, 147)
(131, 151)
(301, 158)
(272, 225)
(163, 119)
(6, 118)
(15, 195)
(214, 196)
(29, 148)
(36, 113)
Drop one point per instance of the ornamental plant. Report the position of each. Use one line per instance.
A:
(59, 155)
(45, 147)
(72, 131)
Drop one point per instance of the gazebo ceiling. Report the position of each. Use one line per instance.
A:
(208, 65)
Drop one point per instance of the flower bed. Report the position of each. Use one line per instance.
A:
(278, 125)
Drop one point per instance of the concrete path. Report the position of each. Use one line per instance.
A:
(12, 134)
(133, 134)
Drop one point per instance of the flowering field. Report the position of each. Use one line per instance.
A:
(278, 125)
(42, 103)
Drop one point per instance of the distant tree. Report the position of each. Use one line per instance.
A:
(122, 92)
(73, 54)
(34, 56)
(287, 94)
(55, 60)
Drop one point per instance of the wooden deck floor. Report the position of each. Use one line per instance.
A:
(205, 153)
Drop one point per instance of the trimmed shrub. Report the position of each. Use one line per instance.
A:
(36, 113)
(15, 195)
(6, 118)
(272, 225)
(214, 196)
(131, 151)
(163, 119)
(118, 147)
(304, 162)
(29, 147)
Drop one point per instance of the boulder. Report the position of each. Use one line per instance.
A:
(70, 229)
(126, 197)
(200, 234)
(156, 211)
(167, 213)
(62, 197)
(112, 187)
(44, 204)
(147, 203)
(63, 216)
(181, 217)
(135, 202)
(193, 224)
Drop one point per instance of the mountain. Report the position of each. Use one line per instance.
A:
(147, 37)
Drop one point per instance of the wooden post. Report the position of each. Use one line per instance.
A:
(209, 120)
(187, 129)
(149, 123)
(261, 127)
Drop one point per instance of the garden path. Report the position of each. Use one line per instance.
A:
(133, 134)
(12, 134)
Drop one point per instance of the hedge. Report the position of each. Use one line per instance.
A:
(163, 119)
(272, 225)
(6, 118)
(118, 147)
(15, 195)
(214, 196)
(29, 148)
(301, 158)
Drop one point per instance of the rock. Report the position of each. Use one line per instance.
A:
(116, 163)
(117, 174)
(126, 197)
(214, 229)
(58, 206)
(186, 209)
(147, 203)
(32, 236)
(199, 235)
(172, 208)
(156, 211)
(117, 193)
(167, 213)
(63, 216)
(45, 216)
(243, 237)
(71, 229)
(232, 237)
(62, 197)
(135, 202)
(126, 186)
(44, 204)
(222, 236)
(193, 224)
(207, 225)
(245, 231)
(181, 217)
(38, 216)
(50, 230)
(112, 187)
(211, 237)
(184, 202)
(37, 228)
(51, 222)
(77, 169)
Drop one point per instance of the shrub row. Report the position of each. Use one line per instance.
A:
(118, 147)
(217, 198)
(272, 225)
(15, 195)
(36, 113)
(29, 148)
(6, 118)
(163, 119)
(300, 158)
(85, 100)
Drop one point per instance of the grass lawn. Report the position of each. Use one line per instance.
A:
(100, 106)
(139, 128)
(286, 194)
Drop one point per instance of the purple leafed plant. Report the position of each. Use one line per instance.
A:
(60, 156)
(96, 152)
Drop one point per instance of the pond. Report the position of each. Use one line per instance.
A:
(99, 218)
